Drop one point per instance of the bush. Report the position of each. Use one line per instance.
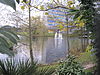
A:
(23, 67)
(86, 58)
(20, 67)
(71, 67)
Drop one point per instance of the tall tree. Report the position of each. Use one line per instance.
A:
(97, 36)
(30, 32)
(92, 17)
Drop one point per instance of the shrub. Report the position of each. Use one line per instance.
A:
(20, 67)
(23, 67)
(86, 58)
(70, 67)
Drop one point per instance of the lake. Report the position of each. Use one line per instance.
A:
(46, 50)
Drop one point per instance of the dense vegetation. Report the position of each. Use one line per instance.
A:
(84, 19)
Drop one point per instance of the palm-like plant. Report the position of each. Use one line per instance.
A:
(10, 67)
(7, 40)
(19, 67)
(23, 67)
(47, 70)
(10, 3)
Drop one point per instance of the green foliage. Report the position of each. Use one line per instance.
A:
(7, 40)
(88, 13)
(86, 58)
(10, 3)
(70, 67)
(23, 67)
(20, 67)
(18, 1)
(76, 15)
(7, 37)
(24, 1)
(89, 47)
(45, 71)
(22, 7)
(42, 7)
(46, 13)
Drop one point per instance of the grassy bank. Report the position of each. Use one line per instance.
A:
(83, 61)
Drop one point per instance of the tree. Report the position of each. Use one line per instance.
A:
(92, 17)
(88, 13)
(97, 36)
(38, 27)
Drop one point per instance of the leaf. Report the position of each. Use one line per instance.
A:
(5, 50)
(9, 36)
(17, 67)
(4, 42)
(10, 3)
(73, 10)
(13, 34)
(7, 40)
(42, 7)
(60, 26)
(70, 2)
(49, 7)
(76, 15)
(46, 13)
(17, 1)
(22, 7)
(81, 24)
(24, 1)
(46, 71)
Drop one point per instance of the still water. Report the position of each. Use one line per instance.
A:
(46, 49)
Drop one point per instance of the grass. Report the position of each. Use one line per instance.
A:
(86, 58)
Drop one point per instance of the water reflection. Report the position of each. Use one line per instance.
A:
(58, 40)
(45, 49)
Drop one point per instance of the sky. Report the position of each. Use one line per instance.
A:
(5, 12)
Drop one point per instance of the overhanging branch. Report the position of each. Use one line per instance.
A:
(51, 8)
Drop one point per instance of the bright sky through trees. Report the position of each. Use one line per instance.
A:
(5, 11)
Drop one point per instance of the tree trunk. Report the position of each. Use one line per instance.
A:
(30, 34)
(97, 37)
(67, 34)
(97, 41)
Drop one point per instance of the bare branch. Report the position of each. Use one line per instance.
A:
(51, 8)
(55, 2)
